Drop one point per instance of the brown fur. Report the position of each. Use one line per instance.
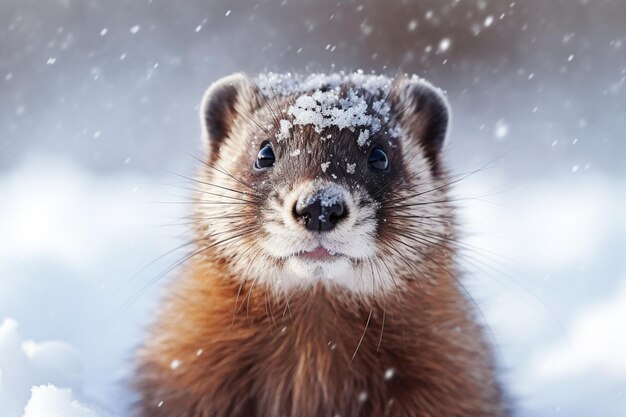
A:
(277, 357)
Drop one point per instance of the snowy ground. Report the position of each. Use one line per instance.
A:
(71, 243)
(546, 264)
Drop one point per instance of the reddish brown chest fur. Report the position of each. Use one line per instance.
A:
(315, 353)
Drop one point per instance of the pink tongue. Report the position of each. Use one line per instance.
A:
(318, 253)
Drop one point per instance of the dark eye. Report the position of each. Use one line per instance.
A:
(266, 158)
(378, 159)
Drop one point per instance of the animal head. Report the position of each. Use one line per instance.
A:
(332, 179)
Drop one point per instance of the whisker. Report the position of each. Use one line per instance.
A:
(265, 98)
(132, 278)
(413, 176)
(199, 190)
(222, 171)
(186, 258)
(268, 310)
(447, 184)
(274, 94)
(369, 317)
(395, 117)
(388, 94)
(249, 117)
(197, 181)
(382, 326)
(208, 202)
(126, 305)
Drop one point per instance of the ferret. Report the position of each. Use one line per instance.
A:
(323, 281)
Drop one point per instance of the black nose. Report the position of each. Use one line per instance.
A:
(319, 214)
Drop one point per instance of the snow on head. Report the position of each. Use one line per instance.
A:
(363, 137)
(285, 130)
(353, 101)
(325, 109)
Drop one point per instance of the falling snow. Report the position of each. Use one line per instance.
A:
(81, 101)
(501, 130)
(444, 45)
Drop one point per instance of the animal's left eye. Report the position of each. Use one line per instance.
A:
(378, 160)
(265, 158)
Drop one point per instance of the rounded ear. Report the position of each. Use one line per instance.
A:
(225, 103)
(424, 114)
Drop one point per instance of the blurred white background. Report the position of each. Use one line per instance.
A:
(98, 112)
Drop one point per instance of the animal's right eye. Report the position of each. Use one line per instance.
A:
(265, 158)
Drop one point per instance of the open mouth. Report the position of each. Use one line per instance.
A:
(319, 254)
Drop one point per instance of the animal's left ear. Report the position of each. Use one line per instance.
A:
(423, 113)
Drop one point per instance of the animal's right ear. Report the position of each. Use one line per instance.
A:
(226, 102)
